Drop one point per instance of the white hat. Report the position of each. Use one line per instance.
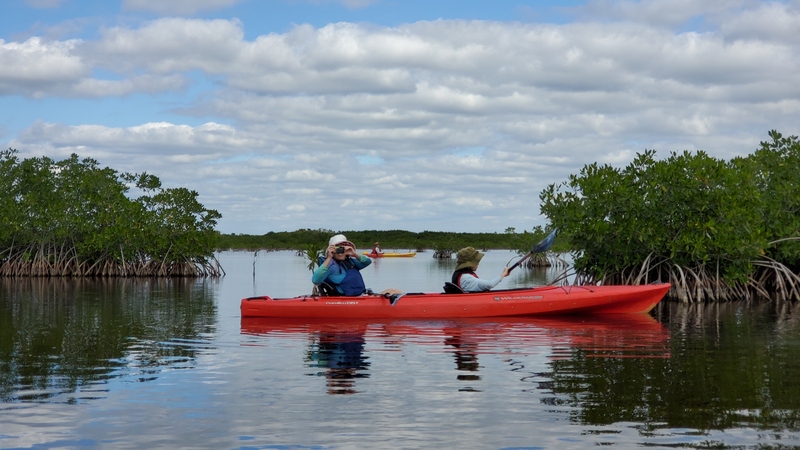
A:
(339, 239)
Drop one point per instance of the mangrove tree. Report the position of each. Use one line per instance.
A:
(74, 218)
(714, 229)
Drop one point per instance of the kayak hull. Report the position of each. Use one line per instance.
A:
(390, 255)
(544, 300)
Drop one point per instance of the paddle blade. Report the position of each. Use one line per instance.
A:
(545, 243)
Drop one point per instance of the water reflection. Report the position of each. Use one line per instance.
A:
(465, 353)
(62, 339)
(340, 352)
(735, 366)
(342, 348)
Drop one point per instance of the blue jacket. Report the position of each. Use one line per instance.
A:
(344, 276)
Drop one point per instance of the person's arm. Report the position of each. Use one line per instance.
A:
(363, 261)
(475, 284)
(321, 272)
(470, 283)
(360, 261)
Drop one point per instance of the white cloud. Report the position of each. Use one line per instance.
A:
(464, 117)
(773, 21)
(148, 84)
(169, 45)
(39, 68)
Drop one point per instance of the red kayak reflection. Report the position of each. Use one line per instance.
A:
(338, 347)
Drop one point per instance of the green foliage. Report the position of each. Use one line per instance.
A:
(776, 166)
(72, 215)
(313, 253)
(690, 209)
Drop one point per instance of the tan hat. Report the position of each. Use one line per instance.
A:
(468, 257)
(339, 239)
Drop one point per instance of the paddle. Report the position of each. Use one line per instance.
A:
(393, 295)
(541, 246)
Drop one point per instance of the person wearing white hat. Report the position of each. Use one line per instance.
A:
(341, 267)
(465, 277)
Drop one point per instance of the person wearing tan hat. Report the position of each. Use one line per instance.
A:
(340, 267)
(465, 277)
(376, 249)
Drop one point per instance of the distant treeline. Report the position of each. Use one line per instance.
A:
(73, 218)
(389, 239)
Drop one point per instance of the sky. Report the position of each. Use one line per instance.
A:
(448, 115)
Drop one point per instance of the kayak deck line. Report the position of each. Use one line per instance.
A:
(539, 300)
(567, 289)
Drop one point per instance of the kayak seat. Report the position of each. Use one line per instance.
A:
(326, 290)
(452, 288)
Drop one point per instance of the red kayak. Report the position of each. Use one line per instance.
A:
(553, 300)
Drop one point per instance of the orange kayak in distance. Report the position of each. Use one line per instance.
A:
(390, 255)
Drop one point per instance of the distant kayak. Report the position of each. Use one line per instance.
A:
(499, 303)
(390, 255)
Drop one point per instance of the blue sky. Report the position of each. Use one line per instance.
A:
(24, 18)
(379, 114)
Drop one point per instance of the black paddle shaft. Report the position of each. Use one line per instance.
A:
(540, 246)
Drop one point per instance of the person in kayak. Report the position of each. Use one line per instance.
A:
(465, 277)
(376, 249)
(340, 267)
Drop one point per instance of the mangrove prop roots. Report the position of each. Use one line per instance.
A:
(548, 259)
(770, 280)
(443, 254)
(43, 263)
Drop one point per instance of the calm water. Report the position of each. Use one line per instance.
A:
(170, 364)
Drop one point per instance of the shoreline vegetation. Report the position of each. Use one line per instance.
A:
(716, 230)
(443, 244)
(73, 218)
